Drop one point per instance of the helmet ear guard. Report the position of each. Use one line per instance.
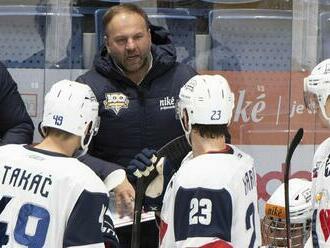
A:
(205, 99)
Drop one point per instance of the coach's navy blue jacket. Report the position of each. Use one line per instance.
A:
(137, 116)
(16, 126)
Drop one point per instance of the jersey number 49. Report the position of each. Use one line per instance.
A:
(27, 211)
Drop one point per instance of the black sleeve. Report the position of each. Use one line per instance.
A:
(101, 167)
(90, 221)
(16, 125)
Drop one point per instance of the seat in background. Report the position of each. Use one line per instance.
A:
(324, 47)
(250, 40)
(22, 39)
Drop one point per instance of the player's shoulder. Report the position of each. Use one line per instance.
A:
(84, 176)
(13, 151)
(320, 155)
(323, 148)
(214, 169)
(61, 167)
(233, 157)
(241, 155)
(11, 148)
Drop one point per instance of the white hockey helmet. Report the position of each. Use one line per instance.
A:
(274, 224)
(71, 106)
(207, 99)
(317, 89)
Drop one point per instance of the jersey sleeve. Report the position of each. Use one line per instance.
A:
(90, 224)
(101, 167)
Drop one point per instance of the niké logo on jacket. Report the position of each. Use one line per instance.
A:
(167, 103)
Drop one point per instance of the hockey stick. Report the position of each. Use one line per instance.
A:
(294, 143)
(174, 151)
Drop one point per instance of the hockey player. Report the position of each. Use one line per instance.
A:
(49, 199)
(211, 201)
(316, 94)
(273, 225)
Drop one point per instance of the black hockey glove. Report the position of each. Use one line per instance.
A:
(141, 166)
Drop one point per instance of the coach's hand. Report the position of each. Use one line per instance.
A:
(124, 198)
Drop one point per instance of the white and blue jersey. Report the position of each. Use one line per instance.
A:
(321, 196)
(212, 202)
(50, 200)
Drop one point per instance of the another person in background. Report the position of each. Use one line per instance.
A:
(50, 199)
(274, 226)
(16, 126)
(211, 201)
(317, 98)
(136, 80)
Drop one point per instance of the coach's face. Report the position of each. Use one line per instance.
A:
(128, 41)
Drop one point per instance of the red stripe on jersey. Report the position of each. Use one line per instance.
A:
(162, 230)
(217, 244)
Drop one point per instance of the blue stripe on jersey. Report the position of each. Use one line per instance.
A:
(83, 225)
(201, 212)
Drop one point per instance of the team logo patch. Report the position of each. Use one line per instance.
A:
(115, 101)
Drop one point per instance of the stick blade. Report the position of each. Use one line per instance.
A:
(175, 150)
